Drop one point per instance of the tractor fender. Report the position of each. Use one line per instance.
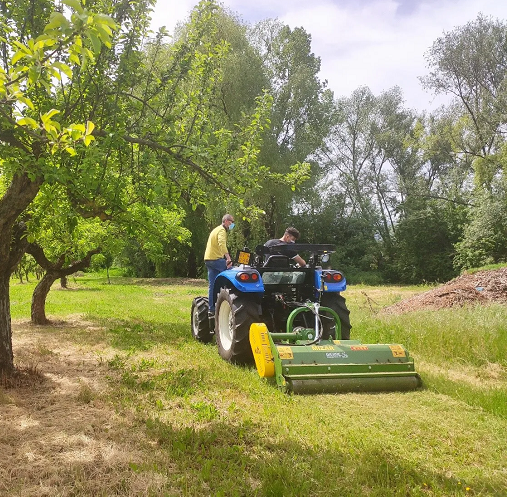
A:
(230, 278)
(329, 286)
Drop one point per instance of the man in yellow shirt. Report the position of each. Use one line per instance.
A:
(216, 257)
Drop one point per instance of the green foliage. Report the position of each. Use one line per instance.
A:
(300, 119)
(485, 234)
(425, 248)
(180, 87)
(28, 81)
(367, 152)
(60, 230)
(27, 268)
(325, 220)
(469, 63)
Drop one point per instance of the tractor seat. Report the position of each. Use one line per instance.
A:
(281, 261)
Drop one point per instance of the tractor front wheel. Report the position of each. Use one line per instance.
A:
(200, 322)
(336, 302)
(233, 318)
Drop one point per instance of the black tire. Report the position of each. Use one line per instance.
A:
(336, 302)
(200, 322)
(233, 318)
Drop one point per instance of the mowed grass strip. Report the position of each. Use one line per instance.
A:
(201, 426)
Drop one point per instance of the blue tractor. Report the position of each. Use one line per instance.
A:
(294, 324)
(266, 287)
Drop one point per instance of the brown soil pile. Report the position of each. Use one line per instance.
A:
(482, 287)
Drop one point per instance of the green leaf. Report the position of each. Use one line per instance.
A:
(28, 121)
(95, 41)
(48, 115)
(46, 85)
(74, 59)
(64, 68)
(56, 20)
(26, 101)
(54, 73)
(22, 47)
(74, 4)
(33, 75)
(104, 32)
(89, 127)
(18, 56)
(52, 131)
(80, 128)
(107, 20)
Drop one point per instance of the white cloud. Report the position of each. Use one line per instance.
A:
(375, 43)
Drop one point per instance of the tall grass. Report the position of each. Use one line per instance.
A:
(472, 335)
(462, 351)
(212, 428)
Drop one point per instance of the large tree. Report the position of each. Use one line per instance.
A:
(301, 117)
(470, 63)
(73, 81)
(367, 158)
(241, 81)
(36, 48)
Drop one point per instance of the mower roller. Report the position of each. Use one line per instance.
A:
(294, 324)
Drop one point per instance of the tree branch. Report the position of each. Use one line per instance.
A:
(38, 254)
(169, 150)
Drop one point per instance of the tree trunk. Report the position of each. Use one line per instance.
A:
(18, 196)
(53, 272)
(6, 355)
(40, 293)
(63, 281)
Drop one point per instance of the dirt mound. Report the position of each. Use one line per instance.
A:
(482, 287)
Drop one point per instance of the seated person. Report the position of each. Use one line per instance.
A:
(290, 236)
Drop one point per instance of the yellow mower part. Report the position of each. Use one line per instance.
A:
(259, 341)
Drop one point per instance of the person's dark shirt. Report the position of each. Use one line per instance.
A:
(276, 241)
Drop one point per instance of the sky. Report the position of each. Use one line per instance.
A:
(374, 43)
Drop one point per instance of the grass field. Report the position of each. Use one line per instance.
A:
(122, 401)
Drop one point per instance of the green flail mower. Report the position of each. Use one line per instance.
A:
(301, 362)
(294, 324)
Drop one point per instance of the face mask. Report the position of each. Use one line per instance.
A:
(231, 226)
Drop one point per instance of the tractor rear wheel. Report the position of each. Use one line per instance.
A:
(336, 302)
(233, 318)
(200, 322)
